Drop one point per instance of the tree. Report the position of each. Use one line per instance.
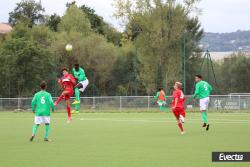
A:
(75, 20)
(100, 26)
(24, 67)
(128, 66)
(27, 12)
(192, 38)
(42, 35)
(53, 22)
(233, 76)
(112, 34)
(156, 28)
(96, 21)
(93, 52)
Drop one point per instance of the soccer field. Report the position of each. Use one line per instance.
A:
(122, 140)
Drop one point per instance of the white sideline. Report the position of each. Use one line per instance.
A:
(220, 121)
(139, 119)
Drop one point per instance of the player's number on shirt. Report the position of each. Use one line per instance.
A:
(43, 100)
(205, 87)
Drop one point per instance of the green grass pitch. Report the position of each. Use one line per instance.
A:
(122, 140)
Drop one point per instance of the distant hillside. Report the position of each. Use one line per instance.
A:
(224, 42)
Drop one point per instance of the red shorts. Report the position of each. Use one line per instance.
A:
(179, 111)
(68, 95)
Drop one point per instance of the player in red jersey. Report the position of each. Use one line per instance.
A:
(67, 82)
(178, 105)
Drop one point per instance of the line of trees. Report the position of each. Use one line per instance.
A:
(145, 56)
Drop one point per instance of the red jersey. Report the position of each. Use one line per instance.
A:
(68, 82)
(181, 98)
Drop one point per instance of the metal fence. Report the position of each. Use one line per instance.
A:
(219, 103)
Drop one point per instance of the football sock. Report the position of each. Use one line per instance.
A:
(180, 126)
(162, 108)
(77, 94)
(47, 127)
(204, 116)
(34, 129)
(69, 112)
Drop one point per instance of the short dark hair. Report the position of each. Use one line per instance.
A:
(76, 65)
(199, 76)
(43, 85)
(64, 69)
(160, 88)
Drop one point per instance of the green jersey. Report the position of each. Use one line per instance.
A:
(80, 74)
(42, 103)
(202, 90)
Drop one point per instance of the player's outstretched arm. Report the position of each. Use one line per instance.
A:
(157, 95)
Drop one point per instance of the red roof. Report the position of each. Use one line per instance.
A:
(5, 28)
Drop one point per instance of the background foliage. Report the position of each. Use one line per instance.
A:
(146, 55)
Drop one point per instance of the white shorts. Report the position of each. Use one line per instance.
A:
(42, 119)
(161, 103)
(84, 85)
(204, 103)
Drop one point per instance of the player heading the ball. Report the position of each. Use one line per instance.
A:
(82, 82)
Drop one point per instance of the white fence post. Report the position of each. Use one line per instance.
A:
(120, 108)
(18, 103)
(148, 103)
(1, 103)
(93, 103)
(239, 102)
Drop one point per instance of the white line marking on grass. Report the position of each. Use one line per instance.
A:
(111, 118)
(168, 121)
(220, 121)
(137, 119)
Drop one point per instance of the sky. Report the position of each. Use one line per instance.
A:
(217, 15)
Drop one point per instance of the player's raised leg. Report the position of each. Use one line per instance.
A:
(59, 99)
(61, 96)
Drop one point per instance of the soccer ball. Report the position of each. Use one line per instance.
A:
(68, 47)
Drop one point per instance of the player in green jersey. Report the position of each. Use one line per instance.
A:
(161, 99)
(41, 104)
(82, 83)
(202, 92)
